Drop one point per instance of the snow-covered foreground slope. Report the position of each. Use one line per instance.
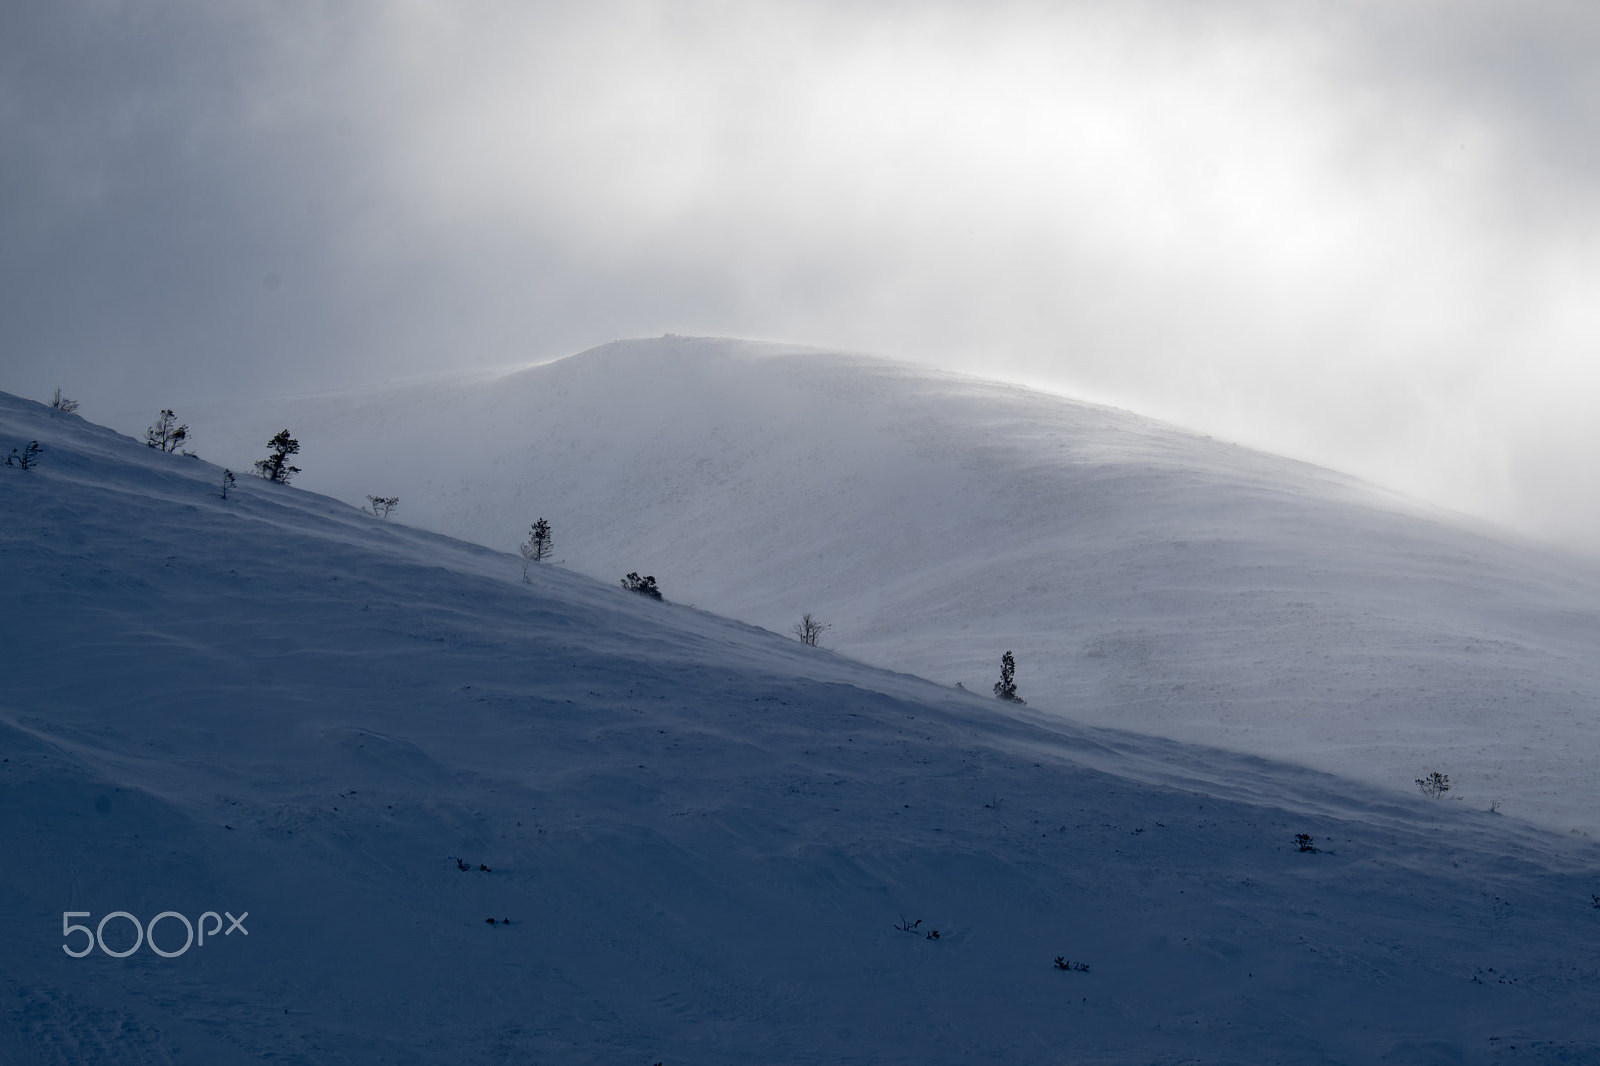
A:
(1145, 577)
(703, 835)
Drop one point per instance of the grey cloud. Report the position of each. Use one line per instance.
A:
(1356, 233)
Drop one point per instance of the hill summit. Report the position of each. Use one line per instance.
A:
(1144, 576)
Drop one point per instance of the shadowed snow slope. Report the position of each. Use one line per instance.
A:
(1144, 576)
(695, 838)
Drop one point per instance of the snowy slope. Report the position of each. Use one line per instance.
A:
(1145, 576)
(703, 834)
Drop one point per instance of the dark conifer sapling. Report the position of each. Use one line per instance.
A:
(1006, 687)
(538, 546)
(1434, 784)
(275, 467)
(166, 434)
(644, 586)
(26, 458)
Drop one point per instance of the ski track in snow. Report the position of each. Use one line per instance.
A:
(702, 833)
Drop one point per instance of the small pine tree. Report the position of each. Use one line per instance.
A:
(540, 541)
(537, 548)
(275, 466)
(227, 482)
(1006, 687)
(1434, 784)
(25, 458)
(644, 586)
(166, 434)
(62, 404)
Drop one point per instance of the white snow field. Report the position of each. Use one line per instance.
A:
(703, 834)
(1146, 577)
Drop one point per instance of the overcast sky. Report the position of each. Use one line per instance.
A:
(1366, 234)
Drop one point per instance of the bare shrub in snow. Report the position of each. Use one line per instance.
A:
(382, 505)
(1006, 687)
(166, 434)
(1304, 842)
(809, 630)
(644, 586)
(275, 467)
(62, 404)
(1434, 784)
(227, 482)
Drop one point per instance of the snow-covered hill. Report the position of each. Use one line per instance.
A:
(374, 739)
(1145, 576)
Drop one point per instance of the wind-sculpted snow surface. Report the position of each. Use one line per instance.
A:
(463, 818)
(1144, 576)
